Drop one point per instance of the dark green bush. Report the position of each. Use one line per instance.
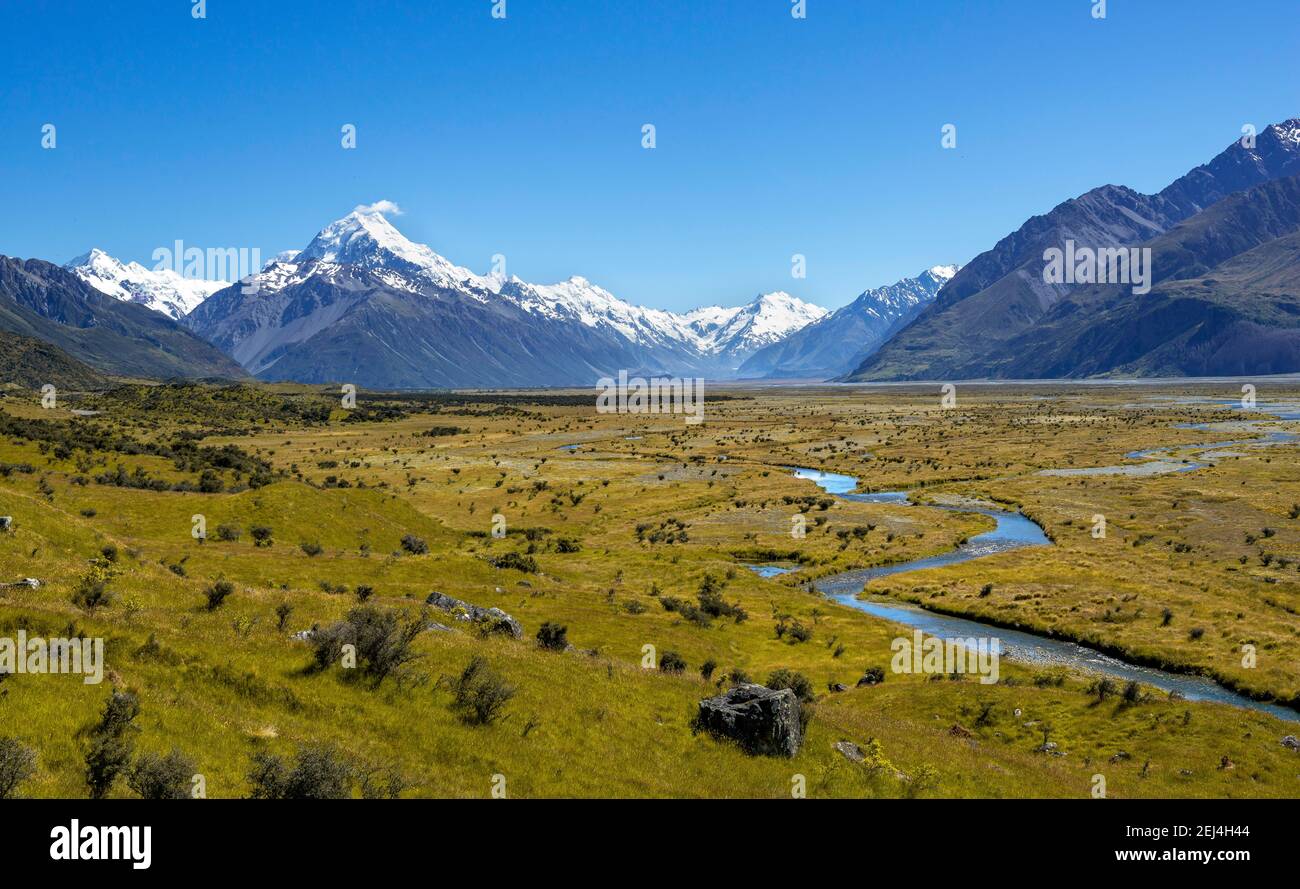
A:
(553, 636)
(162, 777)
(481, 694)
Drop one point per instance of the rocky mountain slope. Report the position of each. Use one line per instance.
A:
(1001, 294)
(41, 300)
(839, 342)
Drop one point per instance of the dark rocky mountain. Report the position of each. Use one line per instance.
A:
(43, 301)
(1226, 302)
(837, 343)
(1001, 294)
(33, 363)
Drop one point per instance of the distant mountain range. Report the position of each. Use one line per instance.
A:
(998, 318)
(164, 290)
(43, 301)
(361, 303)
(837, 343)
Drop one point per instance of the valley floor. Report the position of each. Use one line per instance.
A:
(616, 526)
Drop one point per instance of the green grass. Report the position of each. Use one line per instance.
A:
(228, 684)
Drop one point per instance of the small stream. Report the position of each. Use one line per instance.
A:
(1013, 531)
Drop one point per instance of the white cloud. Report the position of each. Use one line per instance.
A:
(383, 208)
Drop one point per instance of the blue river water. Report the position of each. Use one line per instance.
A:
(1013, 531)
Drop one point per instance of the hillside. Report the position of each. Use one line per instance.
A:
(33, 363)
(43, 301)
(1001, 295)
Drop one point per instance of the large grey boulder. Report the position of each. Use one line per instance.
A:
(488, 620)
(761, 720)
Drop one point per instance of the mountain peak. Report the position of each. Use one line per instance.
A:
(365, 238)
(835, 343)
(1287, 130)
(163, 290)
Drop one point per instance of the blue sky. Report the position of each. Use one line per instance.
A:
(522, 136)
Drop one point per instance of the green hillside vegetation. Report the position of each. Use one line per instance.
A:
(32, 363)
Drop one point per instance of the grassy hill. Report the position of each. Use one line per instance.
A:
(32, 363)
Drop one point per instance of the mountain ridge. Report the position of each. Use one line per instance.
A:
(1001, 293)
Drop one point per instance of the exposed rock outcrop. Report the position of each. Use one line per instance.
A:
(488, 620)
(761, 720)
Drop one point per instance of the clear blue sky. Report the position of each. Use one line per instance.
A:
(523, 136)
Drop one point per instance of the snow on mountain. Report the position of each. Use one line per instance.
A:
(768, 319)
(366, 238)
(163, 290)
(362, 282)
(887, 302)
(837, 342)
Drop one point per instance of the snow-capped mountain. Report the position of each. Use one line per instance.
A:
(734, 334)
(163, 291)
(837, 343)
(411, 318)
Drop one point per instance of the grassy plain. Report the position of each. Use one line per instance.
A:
(1194, 565)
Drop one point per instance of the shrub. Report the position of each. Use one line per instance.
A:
(923, 779)
(261, 535)
(796, 682)
(873, 676)
(712, 603)
(162, 777)
(218, 592)
(282, 612)
(210, 482)
(17, 764)
(671, 662)
(110, 742)
(782, 678)
(517, 561)
(92, 587)
(567, 545)
(553, 636)
(414, 545)
(383, 783)
(383, 641)
(229, 533)
(319, 772)
(799, 632)
(1196, 633)
(480, 694)
(707, 668)
(312, 549)
(364, 592)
